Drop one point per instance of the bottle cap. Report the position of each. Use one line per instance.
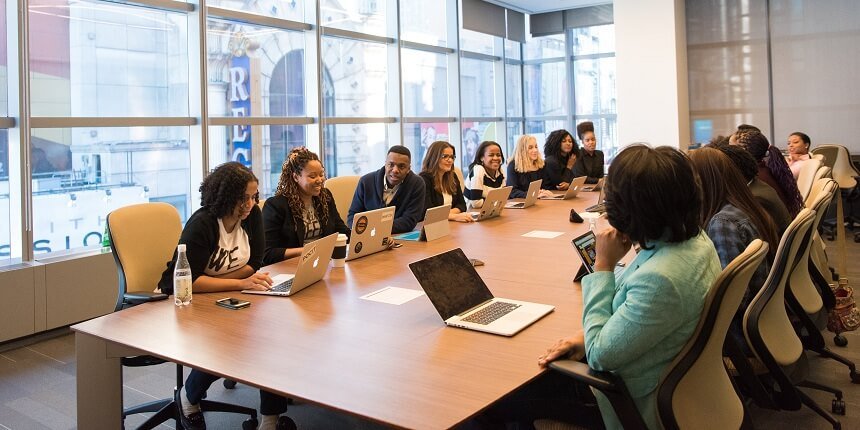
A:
(181, 247)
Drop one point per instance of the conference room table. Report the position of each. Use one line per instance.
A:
(398, 365)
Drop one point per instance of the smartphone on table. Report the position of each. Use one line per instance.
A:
(231, 303)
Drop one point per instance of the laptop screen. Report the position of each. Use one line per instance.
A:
(451, 283)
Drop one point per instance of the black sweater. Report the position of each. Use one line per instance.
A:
(556, 172)
(433, 198)
(520, 181)
(590, 166)
(283, 233)
(200, 237)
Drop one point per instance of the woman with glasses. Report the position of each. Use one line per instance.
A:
(526, 165)
(443, 187)
(561, 152)
(224, 244)
(485, 173)
(302, 209)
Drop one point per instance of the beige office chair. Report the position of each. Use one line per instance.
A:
(695, 391)
(460, 177)
(821, 173)
(143, 238)
(807, 177)
(819, 157)
(342, 189)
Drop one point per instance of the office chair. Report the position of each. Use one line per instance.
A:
(143, 238)
(771, 336)
(695, 391)
(342, 189)
(807, 176)
(838, 159)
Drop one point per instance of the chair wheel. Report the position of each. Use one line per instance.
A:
(229, 384)
(250, 424)
(855, 377)
(286, 423)
(838, 407)
(840, 340)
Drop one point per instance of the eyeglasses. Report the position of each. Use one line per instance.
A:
(451, 157)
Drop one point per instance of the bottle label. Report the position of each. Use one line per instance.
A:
(182, 288)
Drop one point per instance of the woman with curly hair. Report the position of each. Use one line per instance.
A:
(224, 244)
(561, 152)
(443, 187)
(302, 210)
(772, 168)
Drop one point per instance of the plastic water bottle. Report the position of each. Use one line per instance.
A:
(181, 278)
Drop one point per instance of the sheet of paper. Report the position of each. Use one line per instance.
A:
(393, 295)
(543, 234)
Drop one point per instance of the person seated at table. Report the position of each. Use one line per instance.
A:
(590, 160)
(633, 325)
(525, 166)
(764, 194)
(485, 173)
(772, 168)
(561, 153)
(798, 152)
(441, 184)
(224, 244)
(733, 218)
(393, 185)
(302, 209)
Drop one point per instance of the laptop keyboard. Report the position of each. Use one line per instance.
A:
(283, 287)
(491, 313)
(596, 208)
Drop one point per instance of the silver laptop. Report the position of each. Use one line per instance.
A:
(313, 265)
(576, 185)
(531, 196)
(596, 187)
(600, 207)
(463, 300)
(494, 203)
(434, 226)
(371, 232)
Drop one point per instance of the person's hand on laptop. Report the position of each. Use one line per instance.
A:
(461, 217)
(563, 186)
(571, 347)
(611, 246)
(545, 194)
(260, 281)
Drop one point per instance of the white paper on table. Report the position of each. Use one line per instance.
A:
(393, 295)
(542, 234)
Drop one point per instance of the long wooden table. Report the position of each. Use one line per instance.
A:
(397, 365)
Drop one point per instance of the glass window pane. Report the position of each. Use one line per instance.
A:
(4, 93)
(255, 71)
(512, 50)
(81, 174)
(5, 229)
(540, 48)
(418, 136)
(415, 25)
(606, 132)
(541, 129)
(593, 40)
(473, 134)
(477, 42)
(595, 86)
(354, 149)
(515, 130)
(293, 10)
(101, 59)
(363, 16)
(263, 148)
(513, 90)
(425, 83)
(354, 78)
(546, 89)
(477, 87)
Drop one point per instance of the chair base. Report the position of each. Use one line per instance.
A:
(818, 410)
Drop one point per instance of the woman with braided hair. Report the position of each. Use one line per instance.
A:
(772, 168)
(302, 209)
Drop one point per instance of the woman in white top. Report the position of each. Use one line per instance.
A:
(485, 173)
(443, 187)
(798, 152)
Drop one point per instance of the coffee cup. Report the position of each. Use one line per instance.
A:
(338, 256)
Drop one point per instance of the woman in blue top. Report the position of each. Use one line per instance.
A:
(636, 324)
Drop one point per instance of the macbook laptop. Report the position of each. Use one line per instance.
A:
(463, 300)
(435, 225)
(531, 196)
(576, 185)
(494, 203)
(585, 248)
(313, 263)
(600, 207)
(596, 187)
(371, 232)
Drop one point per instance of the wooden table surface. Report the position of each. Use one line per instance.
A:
(398, 365)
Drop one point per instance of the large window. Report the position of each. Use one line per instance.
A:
(593, 51)
(425, 83)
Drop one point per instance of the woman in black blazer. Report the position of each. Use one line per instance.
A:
(301, 210)
(443, 187)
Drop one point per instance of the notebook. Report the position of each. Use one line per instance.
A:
(435, 225)
(371, 232)
(576, 185)
(494, 203)
(531, 196)
(313, 263)
(600, 207)
(463, 300)
(585, 248)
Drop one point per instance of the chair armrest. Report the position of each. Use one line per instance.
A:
(603, 381)
(133, 299)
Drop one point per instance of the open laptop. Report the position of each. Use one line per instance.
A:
(463, 300)
(576, 185)
(531, 196)
(585, 246)
(494, 203)
(596, 187)
(600, 207)
(434, 226)
(371, 232)
(313, 264)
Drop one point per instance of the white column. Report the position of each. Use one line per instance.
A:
(651, 56)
